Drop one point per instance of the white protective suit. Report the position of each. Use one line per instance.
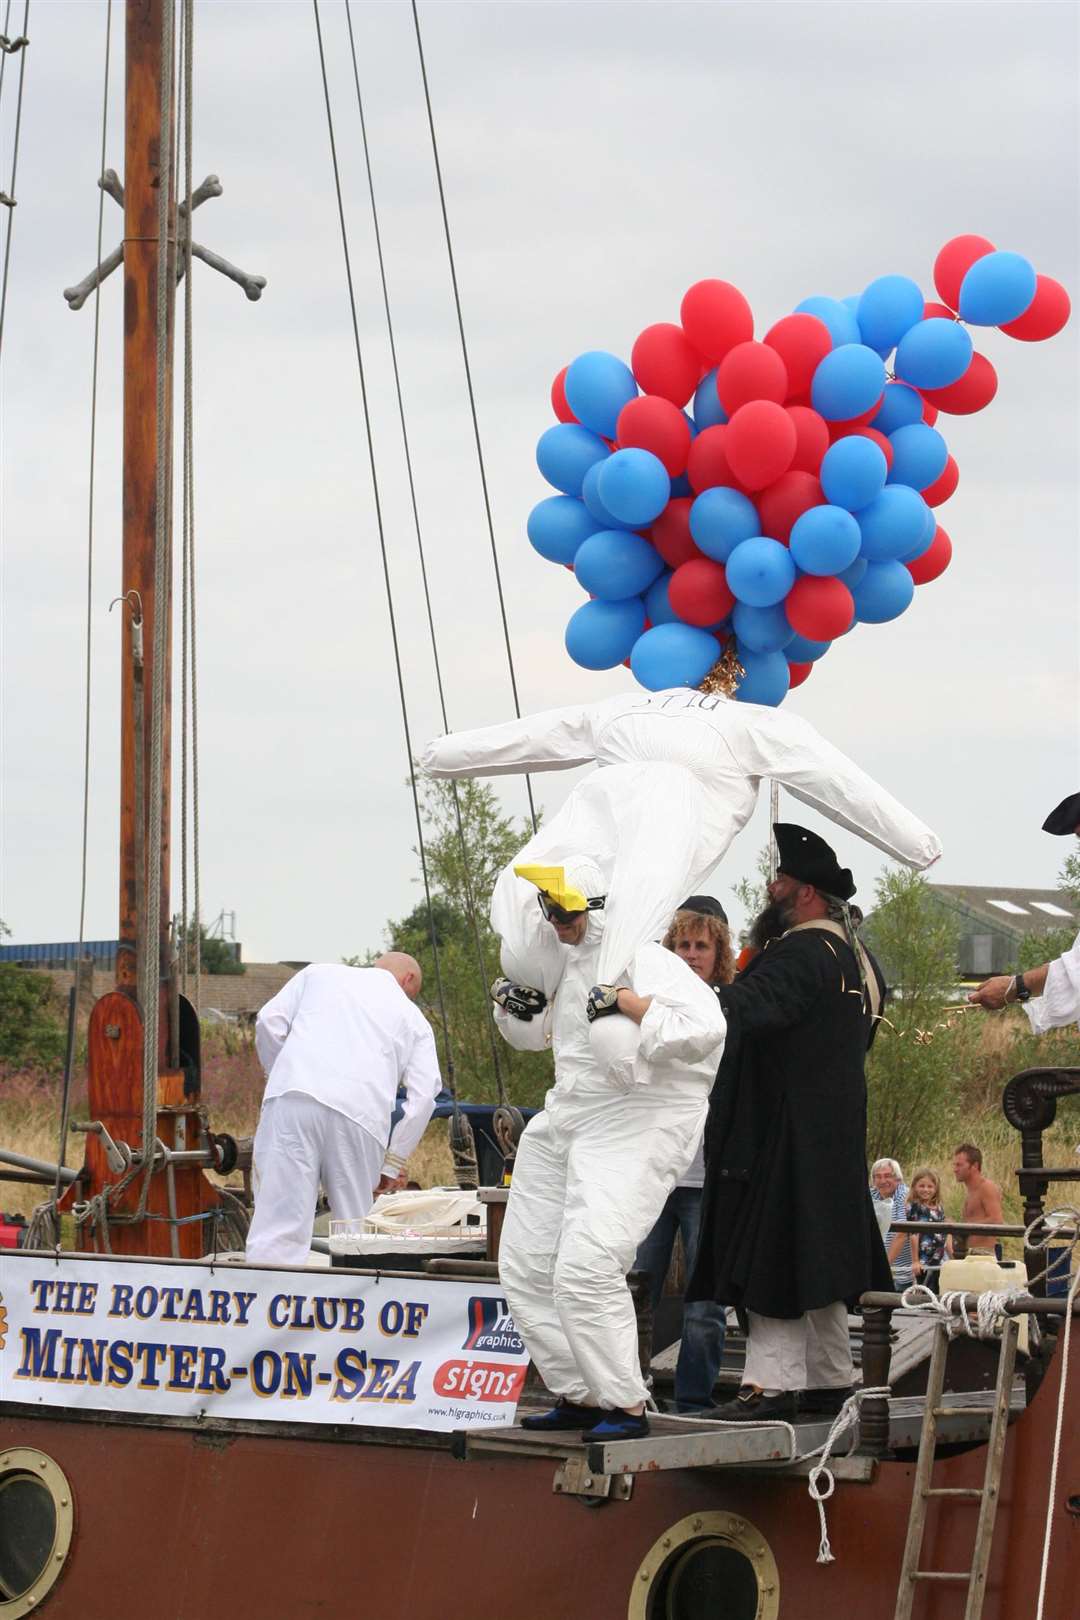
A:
(594, 1169)
(1059, 1003)
(680, 777)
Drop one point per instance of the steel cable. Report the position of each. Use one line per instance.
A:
(14, 170)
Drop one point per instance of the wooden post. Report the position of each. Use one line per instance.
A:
(876, 1359)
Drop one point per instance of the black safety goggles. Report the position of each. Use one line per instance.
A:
(559, 914)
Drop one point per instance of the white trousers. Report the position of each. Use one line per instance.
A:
(806, 1352)
(593, 1172)
(298, 1144)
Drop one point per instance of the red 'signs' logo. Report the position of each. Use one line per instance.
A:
(479, 1380)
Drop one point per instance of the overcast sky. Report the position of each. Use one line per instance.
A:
(598, 160)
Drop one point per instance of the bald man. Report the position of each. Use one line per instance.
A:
(336, 1043)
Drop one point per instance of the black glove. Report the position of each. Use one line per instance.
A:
(603, 999)
(519, 1000)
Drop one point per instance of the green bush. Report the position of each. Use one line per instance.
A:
(33, 1029)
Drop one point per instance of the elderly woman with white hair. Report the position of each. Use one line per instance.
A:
(890, 1196)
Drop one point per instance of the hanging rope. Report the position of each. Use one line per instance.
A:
(465, 862)
(191, 944)
(8, 197)
(472, 395)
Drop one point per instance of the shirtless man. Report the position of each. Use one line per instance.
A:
(982, 1197)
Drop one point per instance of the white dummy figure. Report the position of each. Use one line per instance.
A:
(594, 1169)
(336, 1042)
(679, 778)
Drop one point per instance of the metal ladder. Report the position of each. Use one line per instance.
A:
(987, 1494)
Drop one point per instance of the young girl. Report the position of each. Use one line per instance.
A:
(926, 1205)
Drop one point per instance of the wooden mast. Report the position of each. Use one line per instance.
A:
(156, 1213)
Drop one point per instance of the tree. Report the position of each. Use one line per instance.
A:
(754, 896)
(911, 1096)
(215, 955)
(463, 861)
(32, 1028)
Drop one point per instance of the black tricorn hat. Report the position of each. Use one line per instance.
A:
(801, 854)
(1066, 818)
(705, 906)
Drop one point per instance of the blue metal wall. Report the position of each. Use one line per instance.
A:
(102, 950)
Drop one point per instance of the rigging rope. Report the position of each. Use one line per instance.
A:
(472, 395)
(466, 872)
(378, 510)
(189, 690)
(10, 198)
(64, 1102)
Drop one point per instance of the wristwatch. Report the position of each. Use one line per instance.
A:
(1022, 991)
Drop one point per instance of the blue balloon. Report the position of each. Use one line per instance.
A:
(997, 288)
(890, 525)
(853, 471)
(883, 593)
(590, 494)
(767, 677)
(673, 655)
(614, 565)
(658, 606)
(600, 635)
(934, 353)
(847, 382)
(800, 650)
(557, 527)
(565, 453)
(840, 320)
(824, 540)
(634, 485)
(719, 519)
(851, 301)
(852, 575)
(899, 406)
(761, 629)
(598, 385)
(681, 486)
(888, 307)
(708, 411)
(760, 572)
(919, 455)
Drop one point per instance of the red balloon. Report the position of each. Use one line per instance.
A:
(953, 263)
(1045, 315)
(819, 608)
(929, 412)
(671, 532)
(707, 464)
(840, 430)
(940, 490)
(882, 442)
(974, 390)
(558, 398)
(786, 500)
(751, 371)
(802, 342)
(760, 443)
(665, 362)
(651, 423)
(716, 316)
(798, 673)
(941, 312)
(934, 560)
(698, 592)
(811, 438)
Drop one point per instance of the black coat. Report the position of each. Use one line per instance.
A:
(787, 1222)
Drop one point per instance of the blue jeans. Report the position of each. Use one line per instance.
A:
(703, 1322)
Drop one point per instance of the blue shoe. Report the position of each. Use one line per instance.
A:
(563, 1415)
(618, 1425)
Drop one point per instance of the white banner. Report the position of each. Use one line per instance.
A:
(296, 1347)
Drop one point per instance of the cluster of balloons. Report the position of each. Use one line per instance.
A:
(773, 492)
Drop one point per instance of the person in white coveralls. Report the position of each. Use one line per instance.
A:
(680, 776)
(1050, 993)
(336, 1042)
(619, 1127)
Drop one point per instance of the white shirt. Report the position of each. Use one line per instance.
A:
(679, 779)
(1059, 1003)
(348, 1037)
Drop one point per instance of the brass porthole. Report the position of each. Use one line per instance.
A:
(36, 1525)
(709, 1566)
